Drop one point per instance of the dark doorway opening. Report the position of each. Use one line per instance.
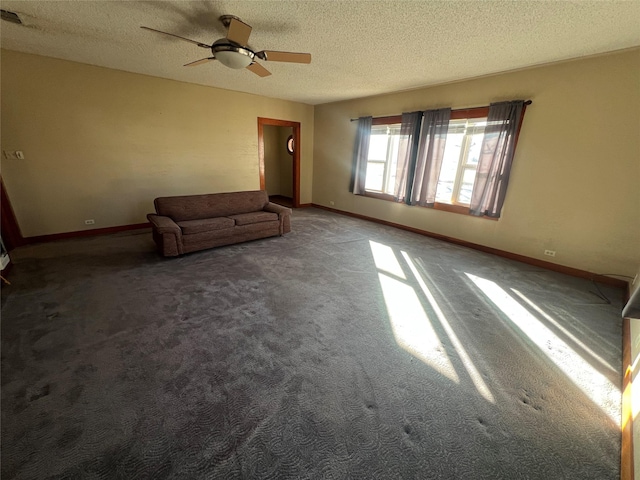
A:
(280, 169)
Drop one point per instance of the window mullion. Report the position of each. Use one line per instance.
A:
(387, 162)
(464, 151)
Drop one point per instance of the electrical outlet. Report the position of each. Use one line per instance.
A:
(13, 155)
(91, 221)
(331, 202)
(550, 253)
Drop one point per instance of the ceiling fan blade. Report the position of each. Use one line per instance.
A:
(259, 69)
(273, 56)
(199, 62)
(203, 45)
(238, 32)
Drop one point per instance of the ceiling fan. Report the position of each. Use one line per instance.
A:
(234, 52)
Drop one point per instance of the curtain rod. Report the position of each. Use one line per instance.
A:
(528, 102)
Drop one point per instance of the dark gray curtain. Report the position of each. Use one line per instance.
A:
(360, 154)
(433, 136)
(407, 153)
(496, 156)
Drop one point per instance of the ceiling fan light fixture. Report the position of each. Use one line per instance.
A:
(233, 51)
(234, 58)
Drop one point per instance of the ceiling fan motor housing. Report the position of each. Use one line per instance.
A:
(231, 54)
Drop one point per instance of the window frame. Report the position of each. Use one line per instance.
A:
(460, 114)
(379, 121)
(387, 162)
(463, 164)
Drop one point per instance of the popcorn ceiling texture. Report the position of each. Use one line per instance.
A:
(359, 48)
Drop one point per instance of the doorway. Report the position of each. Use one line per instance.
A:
(279, 153)
(10, 233)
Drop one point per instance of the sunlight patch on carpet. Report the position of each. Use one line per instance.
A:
(566, 332)
(410, 323)
(595, 385)
(385, 260)
(473, 372)
(412, 328)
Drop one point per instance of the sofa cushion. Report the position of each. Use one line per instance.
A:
(195, 207)
(254, 217)
(189, 227)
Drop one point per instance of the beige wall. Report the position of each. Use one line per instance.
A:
(278, 164)
(575, 183)
(102, 144)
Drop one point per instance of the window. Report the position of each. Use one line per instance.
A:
(461, 154)
(441, 152)
(458, 172)
(382, 159)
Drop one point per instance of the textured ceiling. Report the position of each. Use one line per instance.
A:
(359, 48)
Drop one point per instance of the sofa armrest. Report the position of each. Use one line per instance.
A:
(167, 235)
(284, 216)
(163, 224)
(275, 208)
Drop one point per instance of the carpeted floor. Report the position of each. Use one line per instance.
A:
(344, 350)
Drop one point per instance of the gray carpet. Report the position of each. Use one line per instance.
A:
(318, 355)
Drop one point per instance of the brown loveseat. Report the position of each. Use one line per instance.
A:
(194, 222)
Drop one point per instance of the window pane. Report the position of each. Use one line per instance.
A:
(449, 165)
(383, 158)
(444, 191)
(393, 162)
(466, 188)
(378, 147)
(475, 145)
(375, 176)
(461, 155)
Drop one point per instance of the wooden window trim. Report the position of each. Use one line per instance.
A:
(451, 207)
(477, 112)
(379, 196)
(443, 207)
(459, 209)
(392, 120)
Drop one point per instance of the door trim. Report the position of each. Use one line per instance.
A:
(11, 234)
(296, 153)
